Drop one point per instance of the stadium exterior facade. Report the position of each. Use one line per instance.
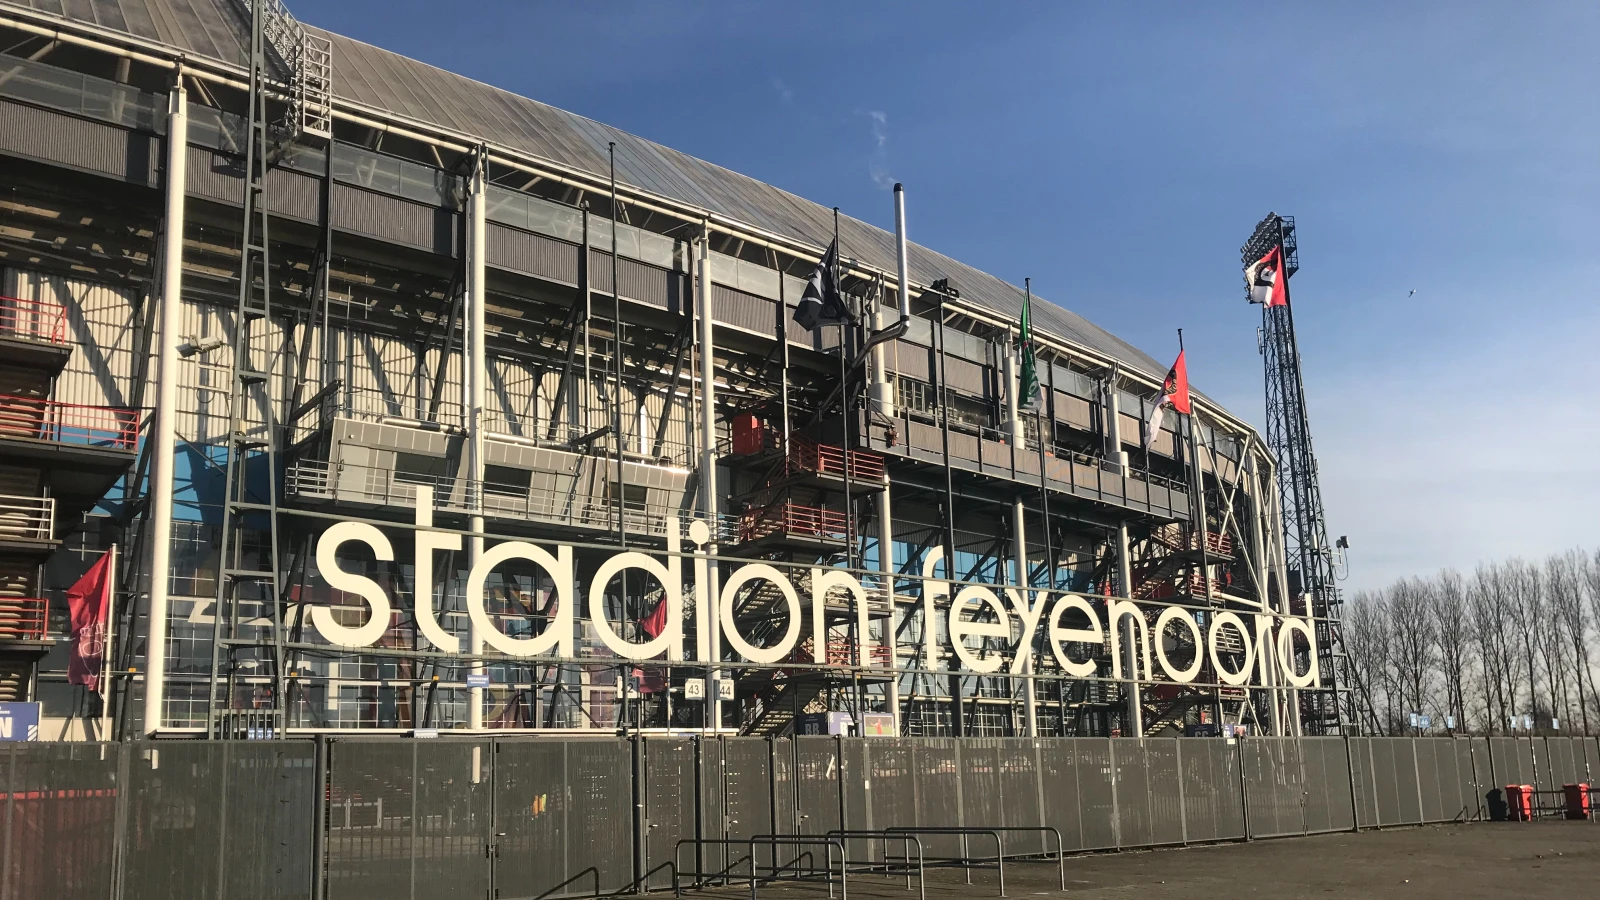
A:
(434, 471)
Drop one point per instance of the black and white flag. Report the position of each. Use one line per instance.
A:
(822, 304)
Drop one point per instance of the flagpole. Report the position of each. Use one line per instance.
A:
(844, 400)
(1198, 485)
(106, 648)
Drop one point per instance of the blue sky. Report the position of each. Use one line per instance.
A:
(1119, 156)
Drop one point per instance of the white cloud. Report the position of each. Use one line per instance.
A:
(785, 93)
(878, 161)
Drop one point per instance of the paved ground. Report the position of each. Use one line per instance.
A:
(1507, 861)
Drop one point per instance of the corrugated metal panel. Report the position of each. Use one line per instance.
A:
(961, 375)
(532, 254)
(383, 80)
(1074, 411)
(81, 144)
(392, 219)
(741, 310)
(910, 360)
(219, 177)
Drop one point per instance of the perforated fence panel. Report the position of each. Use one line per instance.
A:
(371, 826)
(1211, 799)
(938, 777)
(982, 805)
(601, 785)
(1361, 780)
(532, 813)
(853, 769)
(1563, 761)
(1472, 767)
(1428, 779)
(1406, 780)
(1273, 786)
(669, 805)
(1059, 785)
(1327, 784)
(785, 819)
(531, 818)
(1020, 793)
(1513, 760)
(713, 812)
(818, 801)
(60, 820)
(1097, 792)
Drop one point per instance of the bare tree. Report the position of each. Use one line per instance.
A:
(1564, 579)
(1367, 639)
(1415, 647)
(1492, 631)
(1525, 593)
(1448, 609)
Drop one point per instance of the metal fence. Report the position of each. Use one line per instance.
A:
(531, 817)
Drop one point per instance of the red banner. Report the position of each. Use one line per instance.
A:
(88, 605)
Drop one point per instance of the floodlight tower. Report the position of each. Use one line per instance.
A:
(1306, 548)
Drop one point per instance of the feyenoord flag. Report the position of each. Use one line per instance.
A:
(88, 609)
(1266, 280)
(1174, 393)
(1028, 380)
(822, 304)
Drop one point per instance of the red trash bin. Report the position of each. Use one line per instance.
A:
(1577, 800)
(1519, 797)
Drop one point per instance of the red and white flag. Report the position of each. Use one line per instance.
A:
(1266, 280)
(89, 612)
(1174, 393)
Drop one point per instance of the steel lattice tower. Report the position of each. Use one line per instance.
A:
(1306, 547)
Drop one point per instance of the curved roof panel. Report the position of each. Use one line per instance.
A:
(383, 80)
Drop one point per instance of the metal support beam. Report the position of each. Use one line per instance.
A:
(1130, 659)
(475, 374)
(709, 502)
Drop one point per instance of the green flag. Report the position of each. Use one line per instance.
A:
(1029, 380)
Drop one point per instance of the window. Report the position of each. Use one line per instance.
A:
(634, 496)
(912, 395)
(415, 468)
(506, 480)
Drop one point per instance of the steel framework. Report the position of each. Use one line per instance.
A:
(1309, 554)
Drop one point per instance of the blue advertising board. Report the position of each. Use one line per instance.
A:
(19, 721)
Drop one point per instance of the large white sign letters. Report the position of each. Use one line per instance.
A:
(987, 628)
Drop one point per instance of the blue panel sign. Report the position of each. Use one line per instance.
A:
(19, 721)
(477, 681)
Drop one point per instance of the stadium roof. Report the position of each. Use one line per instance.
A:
(381, 80)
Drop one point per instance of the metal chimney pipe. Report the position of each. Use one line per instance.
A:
(901, 260)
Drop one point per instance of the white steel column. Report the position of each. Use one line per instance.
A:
(708, 459)
(1130, 658)
(474, 376)
(883, 394)
(884, 398)
(163, 435)
(1258, 549)
(1019, 523)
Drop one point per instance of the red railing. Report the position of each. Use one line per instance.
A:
(826, 459)
(1182, 539)
(842, 653)
(68, 423)
(793, 520)
(22, 618)
(35, 320)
